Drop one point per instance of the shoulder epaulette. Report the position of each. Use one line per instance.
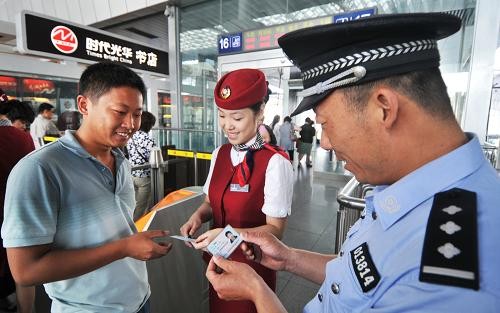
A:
(450, 253)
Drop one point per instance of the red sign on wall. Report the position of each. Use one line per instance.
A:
(8, 83)
(38, 85)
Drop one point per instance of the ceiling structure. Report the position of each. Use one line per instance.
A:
(201, 20)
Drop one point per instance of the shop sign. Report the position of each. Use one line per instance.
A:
(8, 83)
(38, 86)
(46, 36)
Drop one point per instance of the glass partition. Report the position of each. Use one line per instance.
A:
(185, 139)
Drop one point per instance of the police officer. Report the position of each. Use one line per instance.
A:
(428, 241)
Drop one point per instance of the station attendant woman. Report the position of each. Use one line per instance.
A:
(250, 183)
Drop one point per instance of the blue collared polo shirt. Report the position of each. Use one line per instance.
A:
(61, 195)
(392, 233)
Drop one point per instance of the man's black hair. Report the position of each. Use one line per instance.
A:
(44, 107)
(17, 110)
(147, 121)
(425, 87)
(100, 78)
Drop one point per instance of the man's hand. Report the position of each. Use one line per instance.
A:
(141, 246)
(265, 248)
(238, 281)
(233, 280)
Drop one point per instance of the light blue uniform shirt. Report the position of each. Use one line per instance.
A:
(61, 195)
(395, 240)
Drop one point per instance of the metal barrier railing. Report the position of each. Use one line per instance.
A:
(351, 204)
(490, 152)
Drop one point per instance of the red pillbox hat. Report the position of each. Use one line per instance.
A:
(240, 89)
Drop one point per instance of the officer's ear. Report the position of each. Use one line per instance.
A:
(387, 103)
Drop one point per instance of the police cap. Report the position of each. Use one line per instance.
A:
(340, 55)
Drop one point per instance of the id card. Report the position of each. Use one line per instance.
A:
(225, 242)
(183, 238)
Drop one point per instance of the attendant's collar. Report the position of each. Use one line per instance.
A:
(253, 144)
(394, 201)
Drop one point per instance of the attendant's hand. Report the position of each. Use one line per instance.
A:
(206, 238)
(266, 249)
(233, 280)
(191, 226)
(141, 246)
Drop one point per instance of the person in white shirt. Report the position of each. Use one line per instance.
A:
(43, 124)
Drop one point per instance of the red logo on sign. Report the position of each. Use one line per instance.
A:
(64, 39)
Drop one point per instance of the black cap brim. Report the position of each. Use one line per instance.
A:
(310, 102)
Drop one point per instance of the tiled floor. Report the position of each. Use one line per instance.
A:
(312, 223)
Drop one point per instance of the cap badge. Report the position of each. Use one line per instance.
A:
(225, 92)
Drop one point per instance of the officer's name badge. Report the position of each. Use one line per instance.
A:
(366, 272)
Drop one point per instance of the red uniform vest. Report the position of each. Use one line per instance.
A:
(240, 210)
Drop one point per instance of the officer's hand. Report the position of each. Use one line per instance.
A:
(141, 246)
(266, 249)
(233, 280)
(206, 238)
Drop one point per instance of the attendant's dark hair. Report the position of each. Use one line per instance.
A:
(425, 87)
(287, 119)
(268, 93)
(17, 110)
(256, 107)
(147, 121)
(100, 78)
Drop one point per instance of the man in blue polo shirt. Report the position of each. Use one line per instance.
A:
(68, 206)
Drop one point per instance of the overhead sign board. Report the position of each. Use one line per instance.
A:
(267, 38)
(230, 43)
(354, 15)
(46, 36)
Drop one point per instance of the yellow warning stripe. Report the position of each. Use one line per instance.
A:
(190, 154)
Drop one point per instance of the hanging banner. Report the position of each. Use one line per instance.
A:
(47, 36)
